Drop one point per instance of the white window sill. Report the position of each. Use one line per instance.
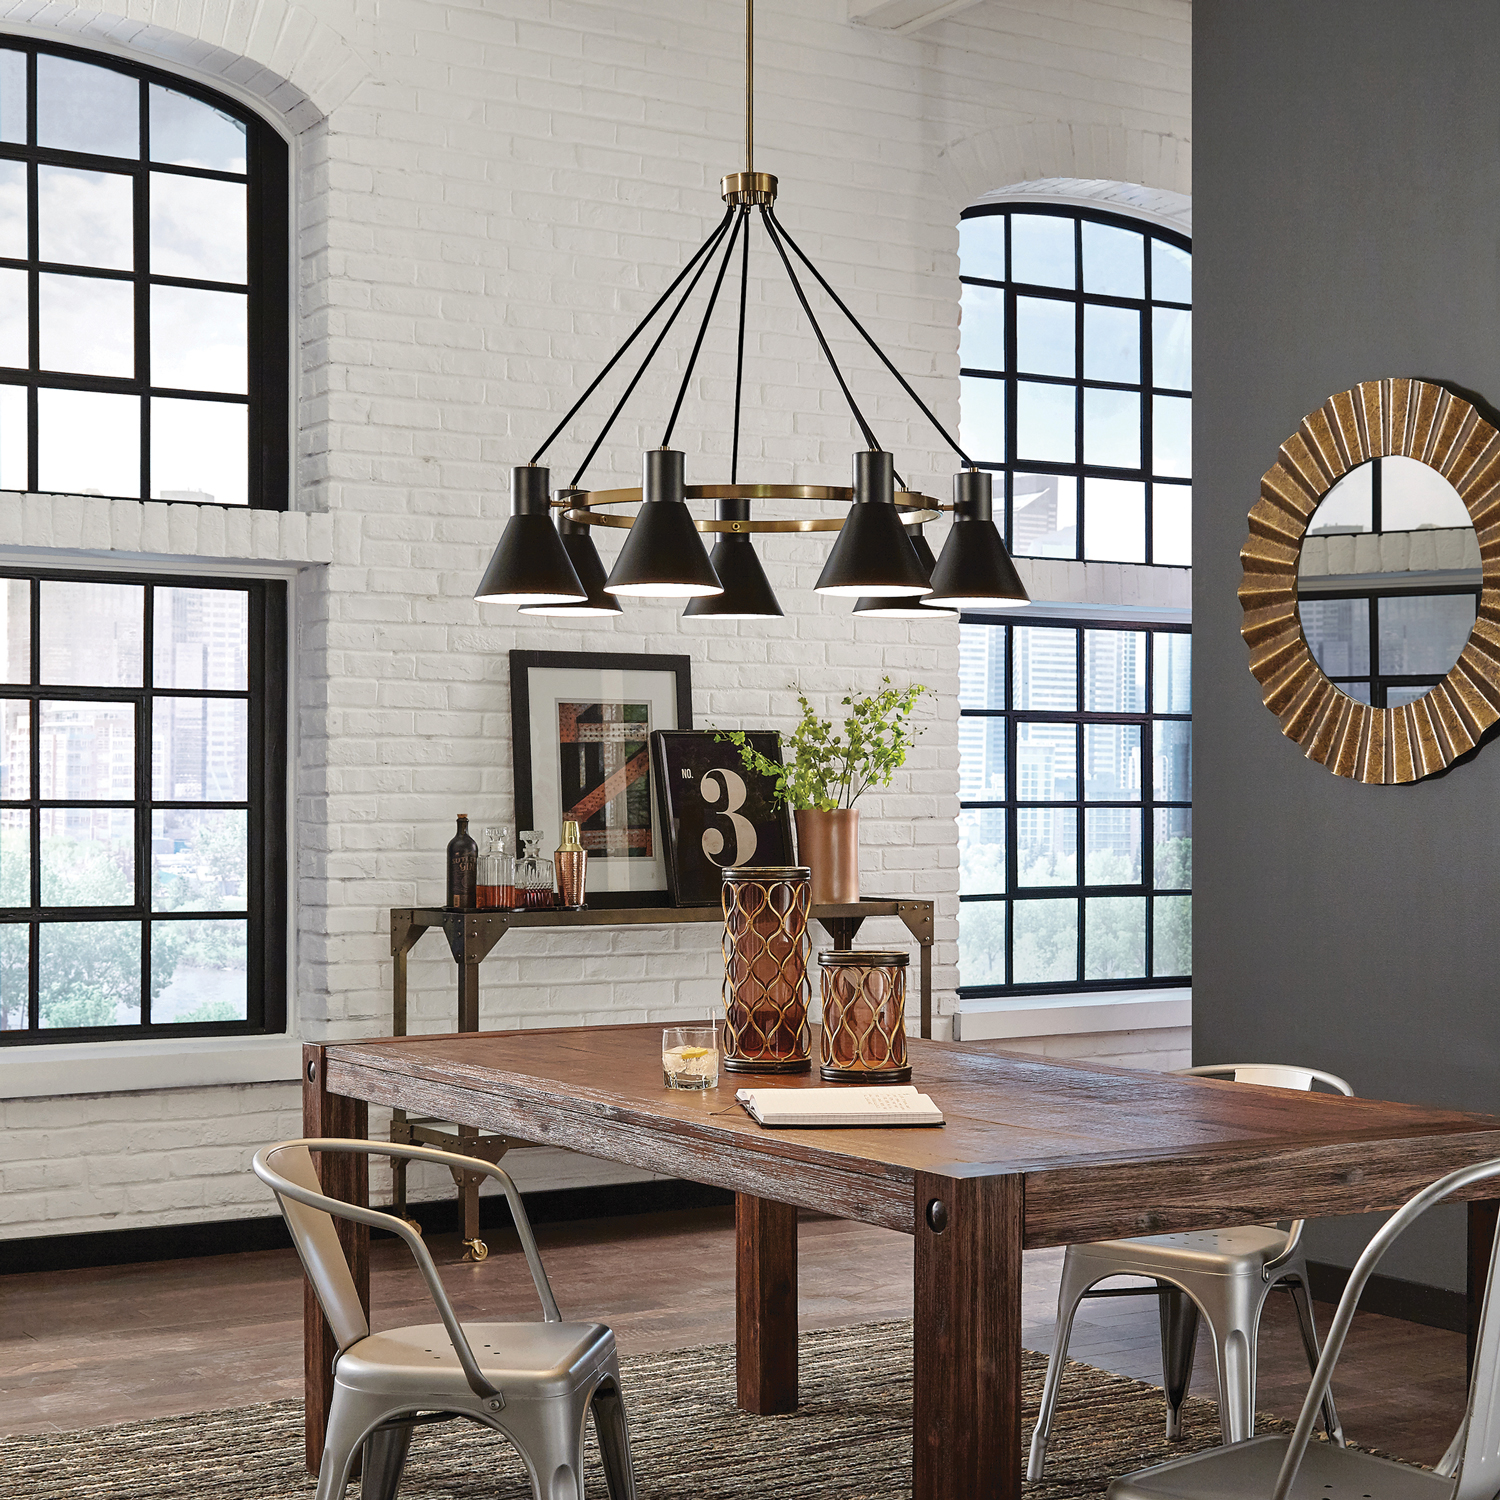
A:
(54, 1071)
(1073, 1015)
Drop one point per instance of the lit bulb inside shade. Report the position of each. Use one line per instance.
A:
(902, 609)
(664, 590)
(982, 601)
(575, 609)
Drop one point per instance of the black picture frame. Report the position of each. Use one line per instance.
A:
(664, 685)
(683, 760)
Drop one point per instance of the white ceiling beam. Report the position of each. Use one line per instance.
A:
(904, 15)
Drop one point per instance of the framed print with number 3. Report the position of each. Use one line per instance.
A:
(715, 814)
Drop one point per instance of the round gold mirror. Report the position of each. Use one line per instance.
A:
(1371, 589)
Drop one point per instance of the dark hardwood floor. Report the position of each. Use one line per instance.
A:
(85, 1348)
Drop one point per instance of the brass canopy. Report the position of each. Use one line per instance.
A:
(577, 505)
(742, 188)
(1375, 419)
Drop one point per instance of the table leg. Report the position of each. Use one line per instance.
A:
(967, 1370)
(1482, 1219)
(347, 1177)
(765, 1304)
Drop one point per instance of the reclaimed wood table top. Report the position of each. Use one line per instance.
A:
(1102, 1151)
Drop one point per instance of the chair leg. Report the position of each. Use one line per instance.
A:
(350, 1416)
(1232, 1305)
(1302, 1301)
(1179, 1318)
(385, 1458)
(549, 1435)
(1075, 1282)
(614, 1439)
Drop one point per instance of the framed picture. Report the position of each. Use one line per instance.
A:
(581, 726)
(716, 813)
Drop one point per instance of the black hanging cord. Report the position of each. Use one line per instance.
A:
(860, 329)
(708, 312)
(739, 361)
(859, 416)
(634, 334)
(710, 245)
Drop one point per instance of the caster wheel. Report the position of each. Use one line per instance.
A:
(477, 1250)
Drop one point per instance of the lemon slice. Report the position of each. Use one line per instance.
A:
(688, 1052)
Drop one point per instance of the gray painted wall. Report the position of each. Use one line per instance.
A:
(1347, 227)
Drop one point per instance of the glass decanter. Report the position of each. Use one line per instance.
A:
(496, 890)
(533, 874)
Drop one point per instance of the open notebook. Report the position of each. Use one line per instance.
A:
(893, 1104)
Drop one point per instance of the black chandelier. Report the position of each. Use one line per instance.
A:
(879, 558)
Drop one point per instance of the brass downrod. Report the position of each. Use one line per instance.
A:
(750, 87)
(749, 187)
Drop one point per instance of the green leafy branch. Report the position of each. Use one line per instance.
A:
(829, 767)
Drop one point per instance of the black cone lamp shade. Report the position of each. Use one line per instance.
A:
(873, 556)
(579, 546)
(530, 565)
(747, 591)
(974, 570)
(663, 556)
(905, 606)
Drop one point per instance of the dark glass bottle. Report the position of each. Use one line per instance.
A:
(463, 862)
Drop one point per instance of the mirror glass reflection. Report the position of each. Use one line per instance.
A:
(1388, 581)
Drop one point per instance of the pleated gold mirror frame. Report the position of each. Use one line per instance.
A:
(1375, 419)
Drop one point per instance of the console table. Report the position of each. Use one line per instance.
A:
(472, 936)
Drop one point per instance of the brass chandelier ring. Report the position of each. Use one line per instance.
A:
(578, 506)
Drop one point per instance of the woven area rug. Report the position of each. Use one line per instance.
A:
(850, 1439)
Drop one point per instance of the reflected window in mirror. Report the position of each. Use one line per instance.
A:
(1075, 347)
(144, 313)
(1388, 581)
(1075, 831)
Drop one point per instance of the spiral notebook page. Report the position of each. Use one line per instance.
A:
(898, 1104)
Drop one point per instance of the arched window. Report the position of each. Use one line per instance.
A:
(1075, 735)
(143, 284)
(1076, 355)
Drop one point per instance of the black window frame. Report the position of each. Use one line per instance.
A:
(267, 287)
(1011, 804)
(1078, 470)
(266, 766)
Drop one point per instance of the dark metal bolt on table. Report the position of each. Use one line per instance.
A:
(472, 936)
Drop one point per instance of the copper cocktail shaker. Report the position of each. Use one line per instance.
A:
(570, 861)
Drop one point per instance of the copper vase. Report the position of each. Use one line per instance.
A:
(766, 989)
(828, 844)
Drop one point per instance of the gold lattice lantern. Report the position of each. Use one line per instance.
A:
(766, 989)
(864, 1015)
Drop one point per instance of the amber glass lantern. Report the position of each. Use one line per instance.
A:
(864, 1015)
(766, 989)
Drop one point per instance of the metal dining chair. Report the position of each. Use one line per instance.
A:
(1278, 1466)
(534, 1382)
(1224, 1275)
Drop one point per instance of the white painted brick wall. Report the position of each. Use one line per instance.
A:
(488, 196)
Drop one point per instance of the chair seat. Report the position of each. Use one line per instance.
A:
(1204, 1252)
(535, 1360)
(1247, 1471)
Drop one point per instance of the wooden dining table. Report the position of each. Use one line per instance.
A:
(1034, 1153)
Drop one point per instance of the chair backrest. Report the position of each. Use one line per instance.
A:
(317, 1240)
(1272, 1075)
(287, 1170)
(1477, 1447)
